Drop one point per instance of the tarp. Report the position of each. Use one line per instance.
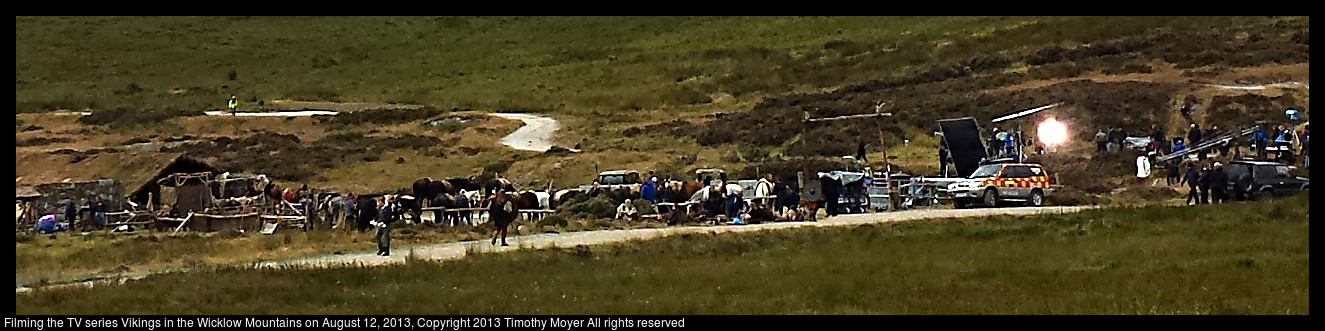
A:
(962, 136)
(843, 177)
(1136, 142)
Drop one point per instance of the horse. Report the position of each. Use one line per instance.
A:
(463, 184)
(427, 190)
(499, 184)
(534, 199)
(367, 208)
(531, 200)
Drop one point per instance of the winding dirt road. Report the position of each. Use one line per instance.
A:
(536, 134)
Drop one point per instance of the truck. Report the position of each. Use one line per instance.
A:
(616, 179)
(1260, 180)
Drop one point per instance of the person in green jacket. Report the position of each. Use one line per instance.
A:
(233, 104)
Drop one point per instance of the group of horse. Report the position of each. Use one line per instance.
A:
(445, 195)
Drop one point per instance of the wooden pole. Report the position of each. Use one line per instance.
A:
(181, 224)
(878, 115)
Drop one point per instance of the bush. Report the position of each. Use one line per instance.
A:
(601, 206)
(644, 206)
(22, 237)
(557, 219)
(124, 116)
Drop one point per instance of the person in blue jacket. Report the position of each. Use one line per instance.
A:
(649, 191)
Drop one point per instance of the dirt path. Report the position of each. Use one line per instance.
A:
(458, 250)
(536, 134)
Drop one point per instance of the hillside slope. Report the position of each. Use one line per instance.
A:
(564, 64)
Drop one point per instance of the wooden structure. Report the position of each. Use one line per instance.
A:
(878, 116)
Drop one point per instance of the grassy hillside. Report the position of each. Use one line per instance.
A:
(561, 64)
(1242, 258)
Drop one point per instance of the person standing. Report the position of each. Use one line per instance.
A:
(1194, 135)
(385, 216)
(464, 201)
(943, 160)
(1101, 141)
(666, 192)
(98, 212)
(1174, 174)
(1157, 138)
(1204, 182)
(830, 188)
(1259, 139)
(1008, 146)
(860, 152)
(1192, 179)
(1306, 146)
(1114, 143)
(764, 189)
(1219, 184)
(649, 190)
(349, 216)
(233, 104)
(71, 212)
(502, 211)
(594, 191)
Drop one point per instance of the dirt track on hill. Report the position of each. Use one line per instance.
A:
(536, 134)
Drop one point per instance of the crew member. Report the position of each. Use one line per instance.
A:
(1192, 180)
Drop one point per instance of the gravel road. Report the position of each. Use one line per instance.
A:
(457, 250)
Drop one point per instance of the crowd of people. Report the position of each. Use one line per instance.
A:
(709, 197)
(1206, 181)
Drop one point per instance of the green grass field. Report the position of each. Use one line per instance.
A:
(1243, 258)
(553, 64)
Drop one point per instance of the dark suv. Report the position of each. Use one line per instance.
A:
(1261, 180)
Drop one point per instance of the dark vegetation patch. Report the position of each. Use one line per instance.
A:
(286, 157)
(675, 127)
(382, 116)
(1227, 111)
(1207, 72)
(965, 88)
(775, 121)
(130, 117)
(1085, 172)
(186, 137)
(136, 140)
(39, 141)
(449, 124)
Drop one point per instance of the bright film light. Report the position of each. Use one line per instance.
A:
(1052, 132)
